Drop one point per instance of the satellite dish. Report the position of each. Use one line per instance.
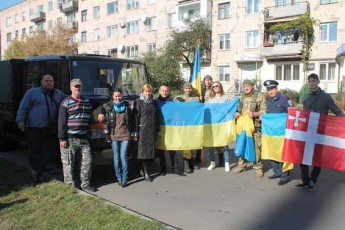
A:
(143, 18)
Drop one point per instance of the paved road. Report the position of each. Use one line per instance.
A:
(219, 200)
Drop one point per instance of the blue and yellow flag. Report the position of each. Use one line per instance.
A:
(272, 137)
(196, 76)
(219, 127)
(244, 138)
(181, 126)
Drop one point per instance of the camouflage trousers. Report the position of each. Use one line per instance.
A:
(242, 163)
(77, 153)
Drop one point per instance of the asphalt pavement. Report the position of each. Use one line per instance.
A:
(219, 200)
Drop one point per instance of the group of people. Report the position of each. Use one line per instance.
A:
(46, 114)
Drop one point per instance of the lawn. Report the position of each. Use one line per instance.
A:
(53, 205)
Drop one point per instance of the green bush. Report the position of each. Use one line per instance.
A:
(292, 94)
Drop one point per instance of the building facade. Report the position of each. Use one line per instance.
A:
(243, 44)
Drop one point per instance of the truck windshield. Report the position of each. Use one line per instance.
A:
(100, 78)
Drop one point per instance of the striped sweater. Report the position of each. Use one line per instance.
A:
(74, 117)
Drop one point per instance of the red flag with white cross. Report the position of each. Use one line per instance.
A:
(315, 139)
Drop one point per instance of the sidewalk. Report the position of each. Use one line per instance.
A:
(219, 200)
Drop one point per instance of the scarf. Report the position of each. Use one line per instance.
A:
(119, 107)
(146, 99)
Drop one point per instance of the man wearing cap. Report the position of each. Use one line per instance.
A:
(319, 102)
(188, 156)
(277, 103)
(74, 118)
(37, 115)
(253, 103)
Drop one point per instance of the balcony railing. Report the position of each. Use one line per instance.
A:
(72, 25)
(287, 50)
(285, 11)
(37, 17)
(69, 6)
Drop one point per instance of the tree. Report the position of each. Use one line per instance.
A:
(56, 41)
(163, 68)
(183, 42)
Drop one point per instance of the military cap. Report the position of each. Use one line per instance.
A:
(269, 84)
(75, 81)
(187, 84)
(208, 77)
(247, 82)
(313, 75)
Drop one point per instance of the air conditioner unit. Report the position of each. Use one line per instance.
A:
(122, 25)
(121, 48)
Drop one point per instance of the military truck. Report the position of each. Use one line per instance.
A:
(100, 76)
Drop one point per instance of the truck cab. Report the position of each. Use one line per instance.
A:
(100, 76)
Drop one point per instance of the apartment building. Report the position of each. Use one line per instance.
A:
(242, 44)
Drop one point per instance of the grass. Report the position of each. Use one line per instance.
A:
(53, 205)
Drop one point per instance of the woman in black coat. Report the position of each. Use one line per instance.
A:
(146, 116)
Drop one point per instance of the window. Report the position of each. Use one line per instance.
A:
(23, 32)
(96, 34)
(83, 15)
(171, 18)
(252, 39)
(23, 16)
(16, 34)
(224, 73)
(224, 41)
(111, 31)
(132, 4)
(83, 37)
(328, 31)
(112, 53)
(31, 30)
(8, 21)
(40, 26)
(151, 23)
(132, 27)
(112, 7)
(70, 17)
(96, 12)
(327, 71)
(224, 10)
(59, 21)
(252, 6)
(40, 8)
(16, 18)
(8, 37)
(151, 47)
(50, 6)
(327, 1)
(288, 72)
(131, 51)
(72, 39)
(50, 24)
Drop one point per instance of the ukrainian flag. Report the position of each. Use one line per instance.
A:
(219, 126)
(244, 138)
(272, 137)
(181, 126)
(196, 76)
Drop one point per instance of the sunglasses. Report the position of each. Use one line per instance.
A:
(215, 86)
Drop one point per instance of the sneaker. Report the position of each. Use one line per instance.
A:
(212, 165)
(282, 182)
(259, 173)
(124, 184)
(301, 185)
(311, 186)
(227, 167)
(239, 170)
(89, 188)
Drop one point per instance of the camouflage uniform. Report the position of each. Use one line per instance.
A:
(253, 102)
(77, 149)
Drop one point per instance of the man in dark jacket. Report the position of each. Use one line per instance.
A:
(319, 102)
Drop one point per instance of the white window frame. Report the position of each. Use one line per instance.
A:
(96, 12)
(292, 67)
(132, 27)
(83, 36)
(96, 35)
(23, 31)
(8, 21)
(50, 24)
(71, 17)
(83, 16)
(40, 8)
(326, 76)
(171, 19)
(111, 31)
(253, 40)
(132, 4)
(324, 2)
(151, 23)
(23, 16)
(9, 37)
(223, 71)
(50, 6)
(251, 6)
(115, 7)
(224, 41)
(151, 47)
(224, 10)
(132, 51)
(327, 26)
(16, 18)
(31, 30)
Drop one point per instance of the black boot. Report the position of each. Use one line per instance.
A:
(186, 166)
(221, 159)
(162, 162)
(146, 171)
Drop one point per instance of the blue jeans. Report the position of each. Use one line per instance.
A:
(120, 153)
(278, 170)
(226, 154)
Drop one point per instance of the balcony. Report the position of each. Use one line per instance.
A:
(69, 6)
(37, 17)
(286, 11)
(288, 50)
(340, 51)
(72, 25)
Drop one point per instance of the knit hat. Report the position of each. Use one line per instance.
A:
(187, 85)
(247, 82)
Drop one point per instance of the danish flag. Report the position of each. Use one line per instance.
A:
(315, 139)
